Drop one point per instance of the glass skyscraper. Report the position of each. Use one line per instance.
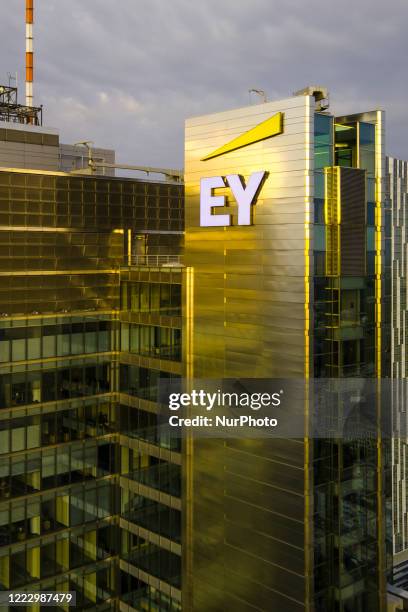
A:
(302, 292)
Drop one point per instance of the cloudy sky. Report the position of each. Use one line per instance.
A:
(126, 73)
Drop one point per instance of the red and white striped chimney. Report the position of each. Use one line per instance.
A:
(29, 52)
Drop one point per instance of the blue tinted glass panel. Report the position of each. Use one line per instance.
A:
(318, 210)
(322, 129)
(319, 238)
(371, 190)
(319, 185)
(370, 213)
(323, 157)
(367, 134)
(370, 239)
(370, 263)
(319, 263)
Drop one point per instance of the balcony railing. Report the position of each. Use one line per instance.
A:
(155, 261)
(157, 562)
(157, 518)
(164, 477)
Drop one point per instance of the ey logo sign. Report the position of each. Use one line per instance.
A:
(245, 195)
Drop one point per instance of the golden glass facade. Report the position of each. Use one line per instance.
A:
(81, 462)
(266, 522)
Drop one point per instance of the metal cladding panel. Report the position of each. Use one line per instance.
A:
(353, 222)
(249, 319)
(270, 252)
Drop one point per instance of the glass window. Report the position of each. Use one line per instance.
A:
(63, 344)
(322, 157)
(319, 210)
(124, 378)
(323, 141)
(176, 299)
(370, 213)
(319, 238)
(33, 431)
(134, 339)
(34, 346)
(48, 468)
(135, 296)
(344, 157)
(371, 263)
(48, 346)
(124, 337)
(319, 185)
(91, 508)
(77, 343)
(319, 263)
(155, 297)
(104, 343)
(18, 348)
(124, 302)
(323, 129)
(19, 394)
(165, 298)
(4, 347)
(76, 507)
(91, 342)
(145, 339)
(367, 134)
(371, 189)
(48, 390)
(177, 344)
(144, 297)
(371, 238)
(104, 500)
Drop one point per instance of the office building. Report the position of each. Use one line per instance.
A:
(301, 290)
(89, 493)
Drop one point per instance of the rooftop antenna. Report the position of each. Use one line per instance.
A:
(11, 78)
(29, 52)
(258, 92)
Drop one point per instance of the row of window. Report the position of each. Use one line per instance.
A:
(31, 564)
(152, 341)
(60, 199)
(49, 385)
(155, 473)
(161, 298)
(152, 559)
(142, 596)
(21, 343)
(42, 515)
(146, 426)
(151, 515)
(35, 430)
(56, 467)
(100, 184)
(142, 382)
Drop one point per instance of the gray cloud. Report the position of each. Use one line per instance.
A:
(127, 73)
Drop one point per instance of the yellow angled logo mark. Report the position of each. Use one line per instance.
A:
(271, 127)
